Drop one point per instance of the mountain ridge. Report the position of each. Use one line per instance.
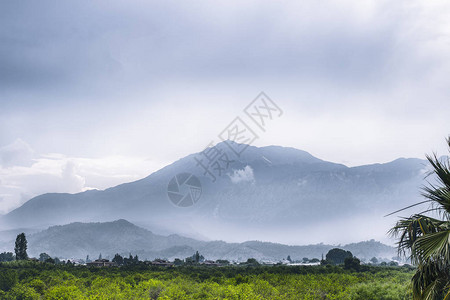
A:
(285, 188)
(77, 240)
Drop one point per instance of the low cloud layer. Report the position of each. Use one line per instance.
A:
(25, 174)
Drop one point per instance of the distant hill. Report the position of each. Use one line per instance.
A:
(269, 193)
(77, 240)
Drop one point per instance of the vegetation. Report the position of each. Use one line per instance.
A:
(337, 256)
(6, 256)
(21, 247)
(352, 263)
(37, 280)
(427, 238)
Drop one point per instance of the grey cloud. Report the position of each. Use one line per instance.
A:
(69, 44)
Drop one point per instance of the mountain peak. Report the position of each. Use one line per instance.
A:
(272, 154)
(122, 222)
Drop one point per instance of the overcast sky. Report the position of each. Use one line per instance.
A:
(96, 93)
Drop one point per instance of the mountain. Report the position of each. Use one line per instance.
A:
(76, 240)
(269, 193)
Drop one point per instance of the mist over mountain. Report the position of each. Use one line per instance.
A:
(76, 240)
(272, 193)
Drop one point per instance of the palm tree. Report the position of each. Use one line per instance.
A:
(427, 238)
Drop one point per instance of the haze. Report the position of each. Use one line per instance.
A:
(99, 93)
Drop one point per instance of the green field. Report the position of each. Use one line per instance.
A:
(30, 280)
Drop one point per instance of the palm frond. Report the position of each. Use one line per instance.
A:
(429, 281)
(407, 207)
(427, 239)
(408, 230)
(435, 246)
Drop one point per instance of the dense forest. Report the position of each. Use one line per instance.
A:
(34, 280)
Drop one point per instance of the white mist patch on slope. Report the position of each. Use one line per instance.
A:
(242, 175)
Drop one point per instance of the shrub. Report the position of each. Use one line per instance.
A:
(379, 291)
(21, 292)
(8, 278)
